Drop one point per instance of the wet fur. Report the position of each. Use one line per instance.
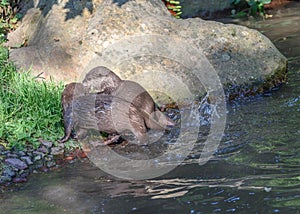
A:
(70, 93)
(93, 111)
(103, 80)
(83, 109)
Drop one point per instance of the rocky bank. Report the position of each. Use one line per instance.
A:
(63, 39)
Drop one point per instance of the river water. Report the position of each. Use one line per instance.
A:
(257, 172)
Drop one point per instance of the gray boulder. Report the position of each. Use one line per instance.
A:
(141, 41)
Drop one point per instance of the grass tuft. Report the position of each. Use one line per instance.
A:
(29, 109)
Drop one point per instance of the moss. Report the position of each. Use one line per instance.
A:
(256, 87)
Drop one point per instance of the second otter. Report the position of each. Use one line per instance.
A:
(103, 80)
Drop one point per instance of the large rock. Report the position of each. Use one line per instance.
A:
(140, 40)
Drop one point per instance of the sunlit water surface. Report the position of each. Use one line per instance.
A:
(256, 171)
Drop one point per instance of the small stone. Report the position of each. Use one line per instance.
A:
(27, 159)
(47, 144)
(4, 179)
(11, 155)
(21, 153)
(47, 158)
(43, 149)
(8, 171)
(226, 57)
(24, 175)
(29, 154)
(19, 180)
(50, 164)
(36, 153)
(37, 158)
(50, 157)
(38, 164)
(57, 151)
(15, 162)
(44, 169)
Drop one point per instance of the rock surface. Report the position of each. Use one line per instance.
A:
(141, 41)
(17, 163)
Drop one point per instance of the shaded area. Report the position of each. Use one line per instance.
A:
(120, 2)
(75, 7)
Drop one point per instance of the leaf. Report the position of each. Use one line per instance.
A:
(14, 20)
(240, 14)
(4, 3)
(234, 1)
(265, 1)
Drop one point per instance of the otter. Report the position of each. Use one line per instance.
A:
(102, 80)
(70, 93)
(105, 113)
(84, 111)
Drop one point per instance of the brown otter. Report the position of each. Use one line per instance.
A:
(70, 92)
(103, 80)
(102, 112)
(105, 113)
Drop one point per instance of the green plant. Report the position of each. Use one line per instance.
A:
(29, 109)
(254, 7)
(174, 7)
(9, 16)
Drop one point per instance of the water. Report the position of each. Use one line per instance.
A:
(257, 171)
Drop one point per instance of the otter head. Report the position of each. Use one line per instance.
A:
(72, 91)
(101, 79)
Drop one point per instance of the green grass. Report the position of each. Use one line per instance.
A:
(30, 109)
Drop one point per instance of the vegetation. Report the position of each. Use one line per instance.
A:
(251, 8)
(29, 109)
(174, 7)
(8, 16)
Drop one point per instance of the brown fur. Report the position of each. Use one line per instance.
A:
(70, 93)
(101, 79)
(93, 111)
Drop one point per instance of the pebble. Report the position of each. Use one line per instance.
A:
(27, 159)
(44, 169)
(10, 155)
(17, 163)
(24, 175)
(47, 144)
(19, 180)
(15, 166)
(50, 164)
(4, 179)
(38, 153)
(21, 153)
(43, 149)
(37, 158)
(56, 151)
(8, 171)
